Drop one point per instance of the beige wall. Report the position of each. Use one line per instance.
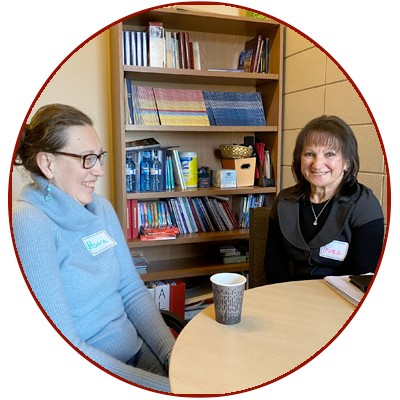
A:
(83, 81)
(314, 85)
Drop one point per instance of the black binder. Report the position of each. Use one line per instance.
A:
(361, 281)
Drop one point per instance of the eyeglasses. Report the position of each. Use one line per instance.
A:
(88, 160)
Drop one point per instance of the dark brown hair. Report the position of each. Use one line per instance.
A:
(327, 131)
(46, 132)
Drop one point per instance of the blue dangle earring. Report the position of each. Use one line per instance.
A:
(48, 196)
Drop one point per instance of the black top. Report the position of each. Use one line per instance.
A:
(294, 244)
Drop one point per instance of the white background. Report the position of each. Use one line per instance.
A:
(36, 36)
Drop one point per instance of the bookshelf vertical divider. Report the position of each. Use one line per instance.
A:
(221, 39)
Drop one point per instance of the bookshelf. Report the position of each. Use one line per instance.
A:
(221, 39)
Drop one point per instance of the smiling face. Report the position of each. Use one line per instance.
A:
(67, 173)
(323, 167)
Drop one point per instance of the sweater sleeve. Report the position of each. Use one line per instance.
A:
(365, 249)
(37, 251)
(139, 305)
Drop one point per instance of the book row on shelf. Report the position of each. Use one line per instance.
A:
(165, 219)
(157, 47)
(162, 48)
(255, 56)
(191, 107)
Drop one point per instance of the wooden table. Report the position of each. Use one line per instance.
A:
(282, 326)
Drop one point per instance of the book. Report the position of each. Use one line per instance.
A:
(233, 259)
(156, 44)
(343, 286)
(264, 56)
(162, 295)
(134, 218)
(142, 144)
(128, 219)
(139, 51)
(141, 104)
(245, 59)
(133, 48)
(182, 215)
(179, 178)
(159, 236)
(177, 297)
(255, 45)
(361, 281)
(234, 108)
(196, 55)
(169, 55)
(205, 213)
(181, 107)
(155, 231)
(126, 37)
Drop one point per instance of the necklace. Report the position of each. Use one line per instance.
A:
(315, 223)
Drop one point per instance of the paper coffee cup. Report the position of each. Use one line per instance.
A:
(228, 289)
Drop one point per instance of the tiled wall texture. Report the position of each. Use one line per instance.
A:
(315, 85)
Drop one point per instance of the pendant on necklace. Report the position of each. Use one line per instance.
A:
(315, 223)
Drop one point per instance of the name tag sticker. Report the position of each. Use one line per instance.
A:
(98, 242)
(335, 250)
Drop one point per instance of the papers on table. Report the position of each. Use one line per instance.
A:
(343, 286)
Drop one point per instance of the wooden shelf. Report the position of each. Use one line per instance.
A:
(197, 192)
(189, 76)
(219, 236)
(178, 269)
(203, 129)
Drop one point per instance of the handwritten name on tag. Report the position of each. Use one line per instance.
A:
(98, 242)
(335, 250)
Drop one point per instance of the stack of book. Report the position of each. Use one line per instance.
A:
(241, 207)
(135, 46)
(155, 214)
(255, 56)
(202, 214)
(197, 297)
(178, 215)
(234, 108)
(231, 254)
(185, 107)
(165, 233)
(161, 48)
(175, 169)
(141, 262)
(181, 107)
(141, 105)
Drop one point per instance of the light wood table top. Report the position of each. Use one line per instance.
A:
(282, 326)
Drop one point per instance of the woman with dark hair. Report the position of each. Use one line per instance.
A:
(328, 223)
(74, 254)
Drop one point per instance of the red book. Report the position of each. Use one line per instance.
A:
(134, 218)
(154, 231)
(129, 219)
(177, 297)
(255, 45)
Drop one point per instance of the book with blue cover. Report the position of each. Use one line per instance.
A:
(235, 108)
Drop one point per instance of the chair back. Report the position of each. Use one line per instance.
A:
(258, 233)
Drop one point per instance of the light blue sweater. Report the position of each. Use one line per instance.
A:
(79, 267)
